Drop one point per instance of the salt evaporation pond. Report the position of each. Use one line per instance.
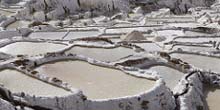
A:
(202, 62)
(47, 35)
(128, 30)
(102, 54)
(18, 82)
(30, 48)
(18, 24)
(206, 39)
(97, 82)
(197, 48)
(170, 75)
(170, 33)
(59, 35)
(213, 98)
(6, 13)
(205, 63)
(194, 33)
(149, 46)
(81, 34)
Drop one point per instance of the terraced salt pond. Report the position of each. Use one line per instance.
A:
(18, 24)
(18, 82)
(81, 34)
(47, 35)
(202, 62)
(60, 35)
(30, 48)
(197, 39)
(97, 82)
(170, 75)
(170, 33)
(102, 54)
(197, 48)
(128, 30)
(149, 46)
(6, 13)
(213, 97)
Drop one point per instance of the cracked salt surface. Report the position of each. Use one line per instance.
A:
(97, 82)
(18, 82)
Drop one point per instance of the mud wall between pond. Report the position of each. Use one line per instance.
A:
(158, 98)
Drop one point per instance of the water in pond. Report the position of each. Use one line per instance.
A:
(149, 46)
(170, 33)
(184, 25)
(203, 62)
(81, 34)
(206, 39)
(127, 30)
(197, 48)
(18, 82)
(213, 98)
(192, 33)
(102, 54)
(17, 24)
(97, 82)
(60, 35)
(170, 75)
(29, 48)
(6, 13)
(47, 35)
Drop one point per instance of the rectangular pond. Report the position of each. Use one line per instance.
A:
(102, 54)
(30, 48)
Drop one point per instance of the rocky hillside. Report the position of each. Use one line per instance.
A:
(59, 9)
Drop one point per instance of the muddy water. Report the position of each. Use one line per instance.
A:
(17, 24)
(213, 98)
(18, 82)
(97, 82)
(149, 46)
(102, 54)
(194, 48)
(203, 62)
(170, 33)
(47, 35)
(6, 13)
(170, 75)
(81, 34)
(197, 39)
(29, 48)
(60, 35)
(184, 25)
(127, 30)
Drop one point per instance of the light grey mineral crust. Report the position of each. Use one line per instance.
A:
(109, 54)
